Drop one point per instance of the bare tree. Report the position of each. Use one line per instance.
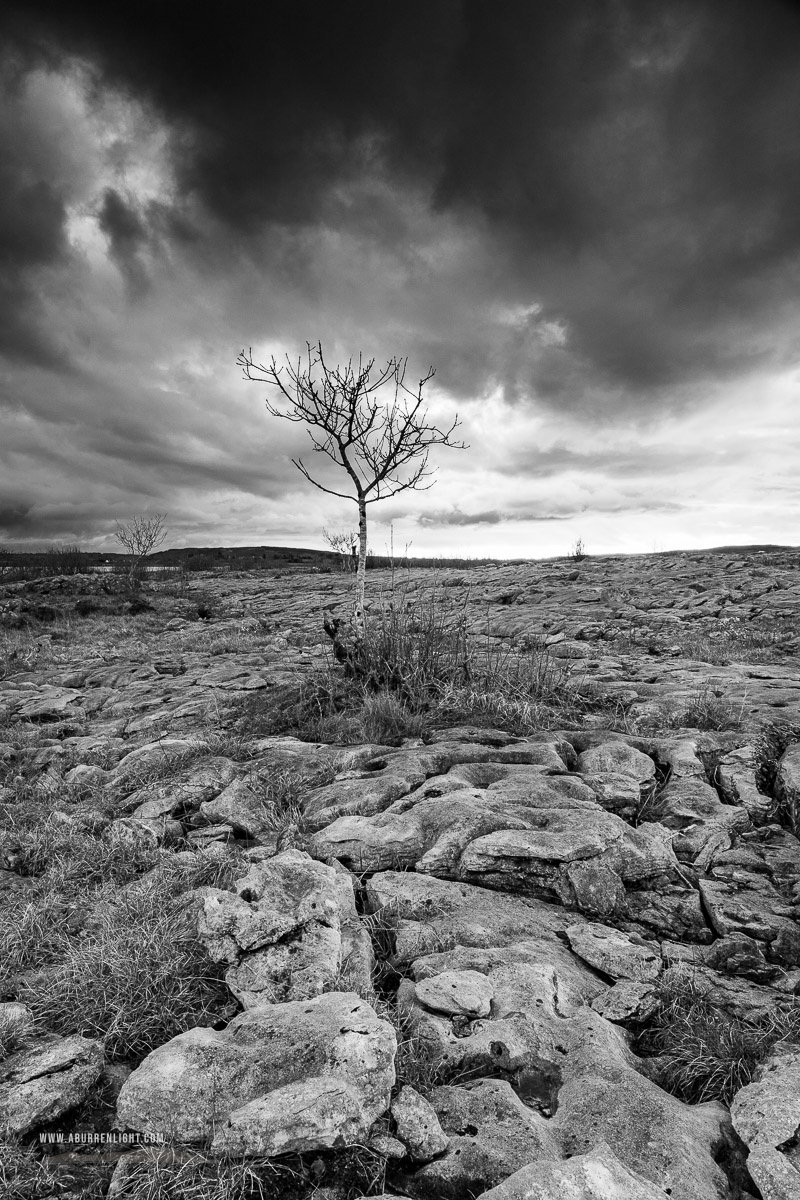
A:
(139, 537)
(343, 543)
(367, 421)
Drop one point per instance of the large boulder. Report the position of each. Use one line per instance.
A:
(40, 1082)
(280, 1078)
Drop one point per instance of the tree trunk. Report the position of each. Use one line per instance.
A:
(361, 573)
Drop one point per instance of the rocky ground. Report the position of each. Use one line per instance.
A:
(545, 947)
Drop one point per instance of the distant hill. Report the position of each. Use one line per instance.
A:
(242, 557)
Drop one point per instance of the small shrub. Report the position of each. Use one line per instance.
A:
(705, 1053)
(65, 560)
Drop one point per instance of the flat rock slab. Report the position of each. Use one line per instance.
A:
(613, 953)
(547, 839)
(617, 758)
(427, 914)
(568, 1061)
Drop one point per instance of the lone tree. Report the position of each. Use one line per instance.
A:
(344, 544)
(367, 421)
(140, 536)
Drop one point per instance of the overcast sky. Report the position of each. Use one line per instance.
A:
(585, 214)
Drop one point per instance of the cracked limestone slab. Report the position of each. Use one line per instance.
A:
(549, 839)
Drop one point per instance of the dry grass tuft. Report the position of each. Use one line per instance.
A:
(708, 708)
(703, 1052)
(135, 977)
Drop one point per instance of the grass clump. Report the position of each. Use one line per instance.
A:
(709, 709)
(736, 640)
(282, 802)
(26, 1176)
(73, 858)
(171, 1174)
(385, 719)
(135, 978)
(705, 1053)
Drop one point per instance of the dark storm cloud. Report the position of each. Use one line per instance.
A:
(127, 237)
(636, 162)
(14, 518)
(269, 100)
(32, 213)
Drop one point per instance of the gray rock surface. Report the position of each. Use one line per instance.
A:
(523, 893)
(615, 954)
(491, 1133)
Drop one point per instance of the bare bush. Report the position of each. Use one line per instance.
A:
(140, 537)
